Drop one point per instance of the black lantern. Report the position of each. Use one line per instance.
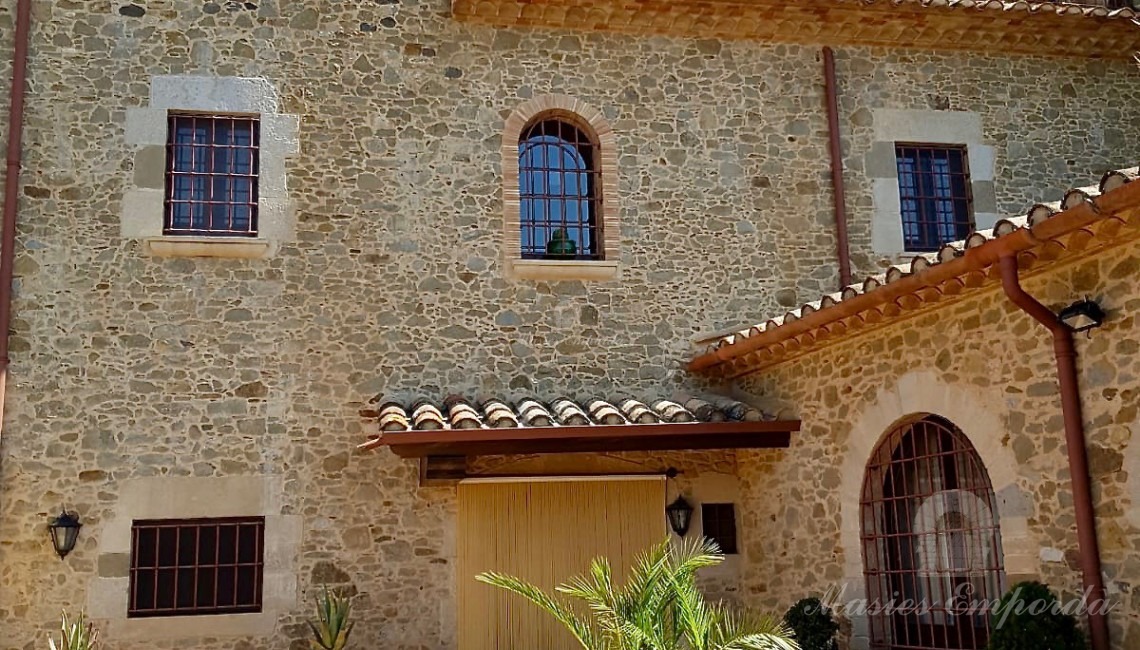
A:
(680, 513)
(64, 530)
(1082, 316)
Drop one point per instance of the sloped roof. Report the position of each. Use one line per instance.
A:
(461, 427)
(1085, 219)
(1085, 9)
(988, 26)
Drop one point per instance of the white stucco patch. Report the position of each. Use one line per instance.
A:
(142, 206)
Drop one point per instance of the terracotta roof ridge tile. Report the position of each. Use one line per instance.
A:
(457, 412)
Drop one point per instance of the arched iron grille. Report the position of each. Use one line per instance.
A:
(559, 181)
(932, 552)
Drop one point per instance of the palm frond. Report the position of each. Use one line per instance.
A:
(582, 631)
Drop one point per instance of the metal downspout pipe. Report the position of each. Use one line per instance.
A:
(838, 189)
(16, 94)
(1066, 355)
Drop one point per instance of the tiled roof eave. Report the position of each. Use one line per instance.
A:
(588, 438)
(1083, 214)
(1021, 27)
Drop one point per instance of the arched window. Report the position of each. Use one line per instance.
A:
(559, 192)
(932, 553)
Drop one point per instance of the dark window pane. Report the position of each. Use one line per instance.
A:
(247, 587)
(719, 523)
(143, 589)
(207, 583)
(934, 195)
(248, 545)
(188, 580)
(206, 157)
(208, 544)
(187, 546)
(186, 588)
(167, 547)
(227, 589)
(165, 591)
(145, 552)
(227, 544)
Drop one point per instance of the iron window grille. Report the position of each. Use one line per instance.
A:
(934, 195)
(718, 522)
(212, 165)
(930, 540)
(196, 566)
(559, 192)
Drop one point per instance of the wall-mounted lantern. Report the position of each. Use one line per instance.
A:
(680, 513)
(64, 529)
(1082, 316)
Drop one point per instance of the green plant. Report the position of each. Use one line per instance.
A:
(332, 625)
(1030, 617)
(812, 624)
(659, 607)
(78, 634)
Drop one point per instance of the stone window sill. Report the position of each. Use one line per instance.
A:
(230, 247)
(555, 270)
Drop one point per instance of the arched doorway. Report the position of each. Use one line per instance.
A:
(932, 555)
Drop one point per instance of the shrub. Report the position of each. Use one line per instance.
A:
(813, 625)
(1029, 617)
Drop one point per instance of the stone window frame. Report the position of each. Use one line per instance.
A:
(587, 117)
(958, 128)
(163, 497)
(144, 202)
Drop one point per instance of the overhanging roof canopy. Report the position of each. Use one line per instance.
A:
(1086, 220)
(529, 426)
(1086, 29)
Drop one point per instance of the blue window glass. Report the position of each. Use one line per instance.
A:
(934, 195)
(558, 192)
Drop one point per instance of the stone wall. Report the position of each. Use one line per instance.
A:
(128, 367)
(990, 370)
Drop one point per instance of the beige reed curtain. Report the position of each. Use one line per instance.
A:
(545, 531)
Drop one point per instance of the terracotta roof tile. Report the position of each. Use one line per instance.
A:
(1087, 9)
(456, 412)
(919, 264)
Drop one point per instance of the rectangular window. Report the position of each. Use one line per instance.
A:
(934, 193)
(185, 567)
(718, 522)
(211, 175)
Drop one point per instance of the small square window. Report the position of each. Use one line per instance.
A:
(196, 566)
(718, 522)
(934, 195)
(211, 175)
